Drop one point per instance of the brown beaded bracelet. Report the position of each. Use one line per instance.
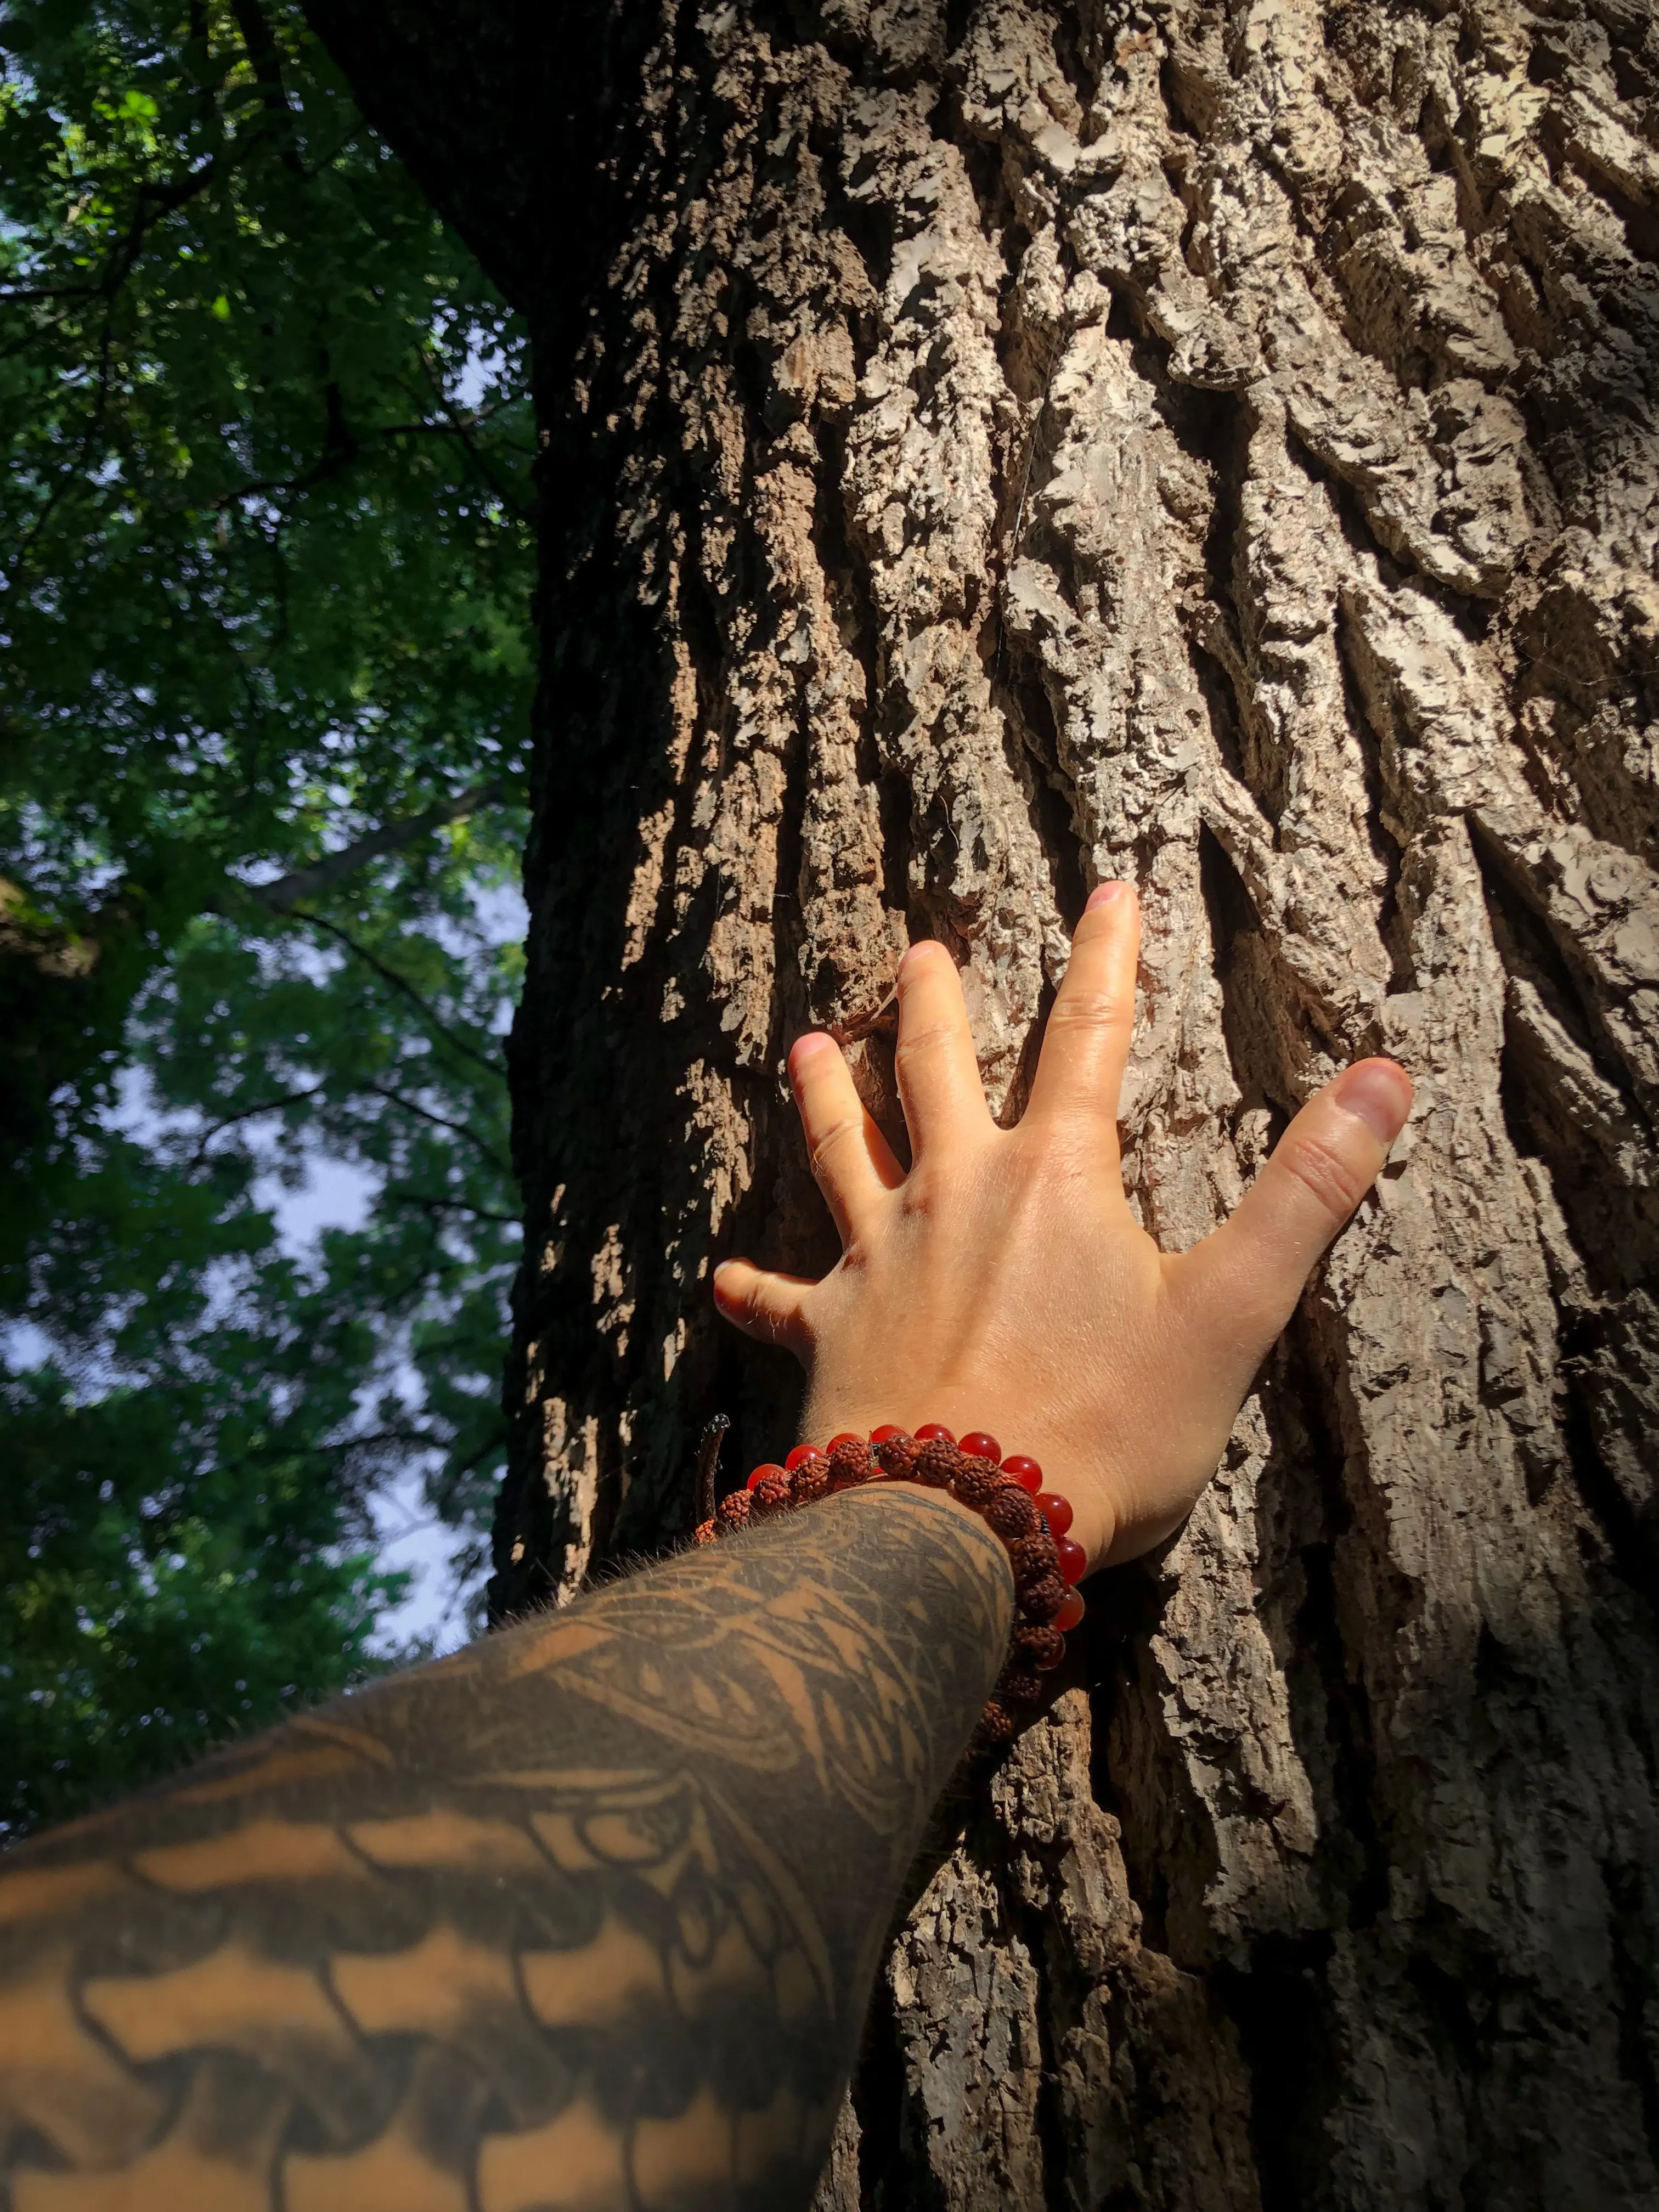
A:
(1031, 1521)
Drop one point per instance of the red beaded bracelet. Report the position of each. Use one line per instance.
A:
(1031, 1521)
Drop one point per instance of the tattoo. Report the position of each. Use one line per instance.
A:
(584, 1915)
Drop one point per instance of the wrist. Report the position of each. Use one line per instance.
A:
(1095, 1521)
(971, 1479)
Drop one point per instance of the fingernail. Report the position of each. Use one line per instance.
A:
(1377, 1093)
(1103, 894)
(806, 1049)
(922, 944)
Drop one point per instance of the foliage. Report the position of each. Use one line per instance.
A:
(266, 568)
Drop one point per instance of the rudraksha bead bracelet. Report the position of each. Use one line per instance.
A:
(1008, 1493)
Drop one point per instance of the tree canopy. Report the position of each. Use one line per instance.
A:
(265, 555)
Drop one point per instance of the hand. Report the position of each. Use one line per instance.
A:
(1005, 1285)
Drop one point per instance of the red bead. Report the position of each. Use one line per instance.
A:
(798, 1457)
(846, 1436)
(1025, 1472)
(887, 1431)
(758, 1474)
(1072, 1559)
(978, 1445)
(931, 1430)
(1055, 1511)
(1071, 1611)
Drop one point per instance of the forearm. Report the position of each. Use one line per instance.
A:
(587, 1914)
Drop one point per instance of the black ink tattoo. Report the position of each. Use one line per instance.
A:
(586, 1916)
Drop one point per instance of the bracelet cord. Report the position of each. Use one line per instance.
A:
(1009, 1495)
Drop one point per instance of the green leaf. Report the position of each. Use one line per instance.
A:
(267, 578)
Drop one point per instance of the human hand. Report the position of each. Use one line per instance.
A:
(1004, 1284)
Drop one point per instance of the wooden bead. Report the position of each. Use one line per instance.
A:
(1041, 1647)
(1042, 1599)
(770, 1496)
(849, 1462)
(1032, 1557)
(997, 1724)
(1011, 1513)
(896, 1455)
(705, 1532)
(733, 1510)
(1017, 1686)
(811, 1481)
(975, 1482)
(936, 1462)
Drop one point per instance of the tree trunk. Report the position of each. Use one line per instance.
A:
(993, 447)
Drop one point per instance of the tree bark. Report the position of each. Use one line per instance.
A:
(995, 446)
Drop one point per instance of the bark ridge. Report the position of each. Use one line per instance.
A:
(1002, 445)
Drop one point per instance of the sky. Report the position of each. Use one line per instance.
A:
(336, 1195)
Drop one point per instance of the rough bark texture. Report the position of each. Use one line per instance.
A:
(996, 447)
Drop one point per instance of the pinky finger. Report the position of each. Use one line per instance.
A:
(770, 1308)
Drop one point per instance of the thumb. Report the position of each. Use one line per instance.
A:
(1250, 1272)
(772, 1307)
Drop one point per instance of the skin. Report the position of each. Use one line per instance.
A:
(1004, 1284)
(587, 1915)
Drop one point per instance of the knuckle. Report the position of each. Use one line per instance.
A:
(920, 1200)
(828, 1140)
(1319, 1168)
(771, 1319)
(1088, 1009)
(930, 1037)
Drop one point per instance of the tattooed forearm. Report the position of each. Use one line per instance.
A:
(586, 1916)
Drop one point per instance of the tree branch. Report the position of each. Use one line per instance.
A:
(403, 984)
(250, 1114)
(265, 58)
(455, 1128)
(468, 114)
(321, 875)
(462, 427)
(450, 1205)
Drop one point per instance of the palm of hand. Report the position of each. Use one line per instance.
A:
(1004, 1284)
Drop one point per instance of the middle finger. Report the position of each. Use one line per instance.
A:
(937, 1068)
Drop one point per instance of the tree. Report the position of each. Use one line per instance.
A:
(265, 552)
(991, 449)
